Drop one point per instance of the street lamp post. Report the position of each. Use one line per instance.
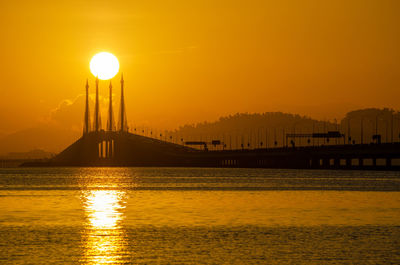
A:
(394, 117)
(386, 130)
(362, 130)
(376, 126)
(294, 132)
(283, 137)
(258, 137)
(391, 128)
(313, 128)
(337, 129)
(348, 130)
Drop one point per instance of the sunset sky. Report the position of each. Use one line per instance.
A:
(189, 61)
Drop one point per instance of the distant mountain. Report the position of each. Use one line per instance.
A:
(46, 138)
(33, 154)
(248, 129)
(256, 130)
(364, 123)
(252, 130)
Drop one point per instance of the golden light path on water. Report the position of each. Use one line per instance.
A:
(104, 238)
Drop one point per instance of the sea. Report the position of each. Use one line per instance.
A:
(198, 216)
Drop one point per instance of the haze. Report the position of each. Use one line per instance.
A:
(189, 61)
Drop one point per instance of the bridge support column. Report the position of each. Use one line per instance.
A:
(374, 162)
(388, 162)
(113, 148)
(348, 162)
(315, 163)
(325, 162)
(360, 162)
(336, 162)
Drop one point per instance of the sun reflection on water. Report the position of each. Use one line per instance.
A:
(104, 239)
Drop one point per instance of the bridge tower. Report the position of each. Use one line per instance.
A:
(123, 126)
(110, 121)
(86, 125)
(97, 117)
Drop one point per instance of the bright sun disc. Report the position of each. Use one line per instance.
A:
(104, 65)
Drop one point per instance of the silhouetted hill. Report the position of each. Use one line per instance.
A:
(33, 154)
(46, 138)
(252, 130)
(367, 122)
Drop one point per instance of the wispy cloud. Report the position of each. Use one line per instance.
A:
(69, 112)
(176, 51)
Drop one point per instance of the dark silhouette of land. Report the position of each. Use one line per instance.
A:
(269, 140)
(272, 127)
(126, 149)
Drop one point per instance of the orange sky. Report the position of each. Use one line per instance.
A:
(189, 61)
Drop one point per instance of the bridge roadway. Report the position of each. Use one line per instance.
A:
(127, 149)
(366, 156)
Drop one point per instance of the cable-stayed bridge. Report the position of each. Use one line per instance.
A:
(116, 146)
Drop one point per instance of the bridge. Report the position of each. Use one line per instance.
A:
(118, 147)
(109, 148)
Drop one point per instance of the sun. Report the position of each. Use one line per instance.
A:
(104, 65)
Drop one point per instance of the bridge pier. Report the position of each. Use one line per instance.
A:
(315, 163)
(388, 162)
(360, 162)
(336, 162)
(348, 162)
(101, 149)
(325, 162)
(105, 148)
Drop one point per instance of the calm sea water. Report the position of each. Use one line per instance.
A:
(198, 216)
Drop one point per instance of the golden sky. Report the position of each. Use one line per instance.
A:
(189, 61)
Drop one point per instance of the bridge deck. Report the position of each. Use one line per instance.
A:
(126, 149)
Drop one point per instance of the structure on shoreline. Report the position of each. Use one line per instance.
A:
(116, 146)
(97, 125)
